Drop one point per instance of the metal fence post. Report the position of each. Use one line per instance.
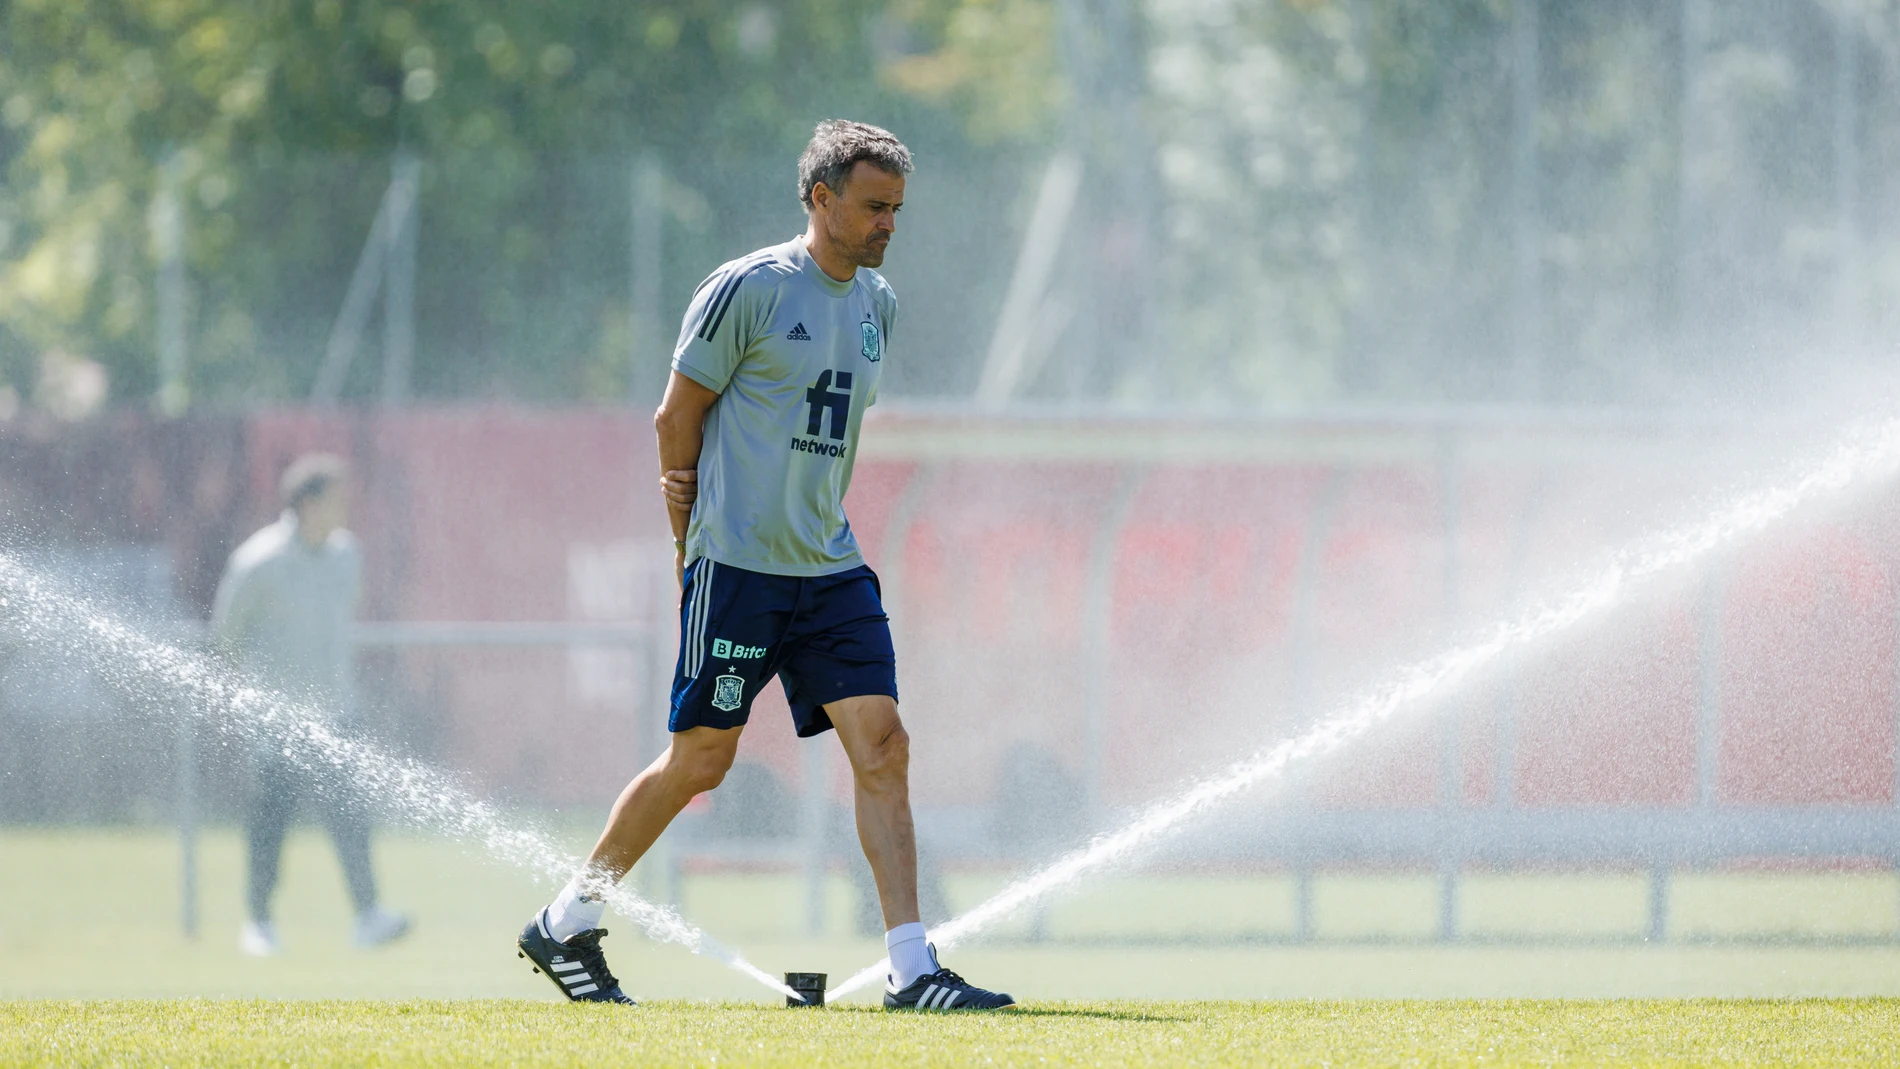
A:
(1300, 674)
(399, 281)
(1693, 31)
(1658, 903)
(185, 802)
(1708, 735)
(1451, 770)
(646, 265)
(1511, 697)
(1098, 633)
(663, 875)
(1303, 927)
(172, 296)
(1893, 802)
(1709, 688)
(1850, 282)
(1527, 303)
(651, 728)
(816, 766)
(892, 570)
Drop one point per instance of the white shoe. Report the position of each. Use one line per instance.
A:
(376, 926)
(259, 939)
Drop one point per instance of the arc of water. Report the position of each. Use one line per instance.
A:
(1875, 450)
(407, 790)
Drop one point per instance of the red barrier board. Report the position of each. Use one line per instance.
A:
(1178, 603)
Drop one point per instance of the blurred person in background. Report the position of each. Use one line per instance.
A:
(283, 614)
(778, 358)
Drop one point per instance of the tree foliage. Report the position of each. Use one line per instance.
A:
(1343, 192)
(1287, 201)
(282, 117)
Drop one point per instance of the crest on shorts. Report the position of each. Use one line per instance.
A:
(873, 345)
(728, 693)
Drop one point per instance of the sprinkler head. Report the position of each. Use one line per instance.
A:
(809, 984)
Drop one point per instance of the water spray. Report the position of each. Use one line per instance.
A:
(1873, 451)
(405, 789)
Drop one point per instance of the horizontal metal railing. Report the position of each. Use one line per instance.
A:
(498, 633)
(432, 634)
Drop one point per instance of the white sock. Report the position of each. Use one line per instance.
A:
(910, 954)
(576, 909)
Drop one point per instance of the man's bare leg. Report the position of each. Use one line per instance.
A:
(879, 750)
(695, 760)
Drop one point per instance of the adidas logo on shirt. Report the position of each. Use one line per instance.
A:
(798, 334)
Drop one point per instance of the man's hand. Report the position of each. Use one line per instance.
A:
(681, 489)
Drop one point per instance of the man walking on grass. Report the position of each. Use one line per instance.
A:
(283, 613)
(777, 360)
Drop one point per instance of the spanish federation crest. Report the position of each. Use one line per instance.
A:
(728, 693)
(873, 345)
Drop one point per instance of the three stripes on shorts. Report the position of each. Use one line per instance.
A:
(700, 610)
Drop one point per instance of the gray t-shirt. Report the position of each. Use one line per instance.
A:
(284, 611)
(795, 356)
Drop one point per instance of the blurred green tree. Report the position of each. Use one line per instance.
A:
(283, 117)
(1305, 200)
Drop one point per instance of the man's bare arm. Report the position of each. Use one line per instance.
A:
(680, 425)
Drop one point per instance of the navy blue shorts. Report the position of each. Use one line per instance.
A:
(825, 637)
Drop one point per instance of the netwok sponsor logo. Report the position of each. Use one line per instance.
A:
(823, 449)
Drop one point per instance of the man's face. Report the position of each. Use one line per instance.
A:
(861, 219)
(326, 512)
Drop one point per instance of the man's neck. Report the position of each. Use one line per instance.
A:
(826, 258)
(311, 538)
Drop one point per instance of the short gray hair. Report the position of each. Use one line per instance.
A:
(839, 145)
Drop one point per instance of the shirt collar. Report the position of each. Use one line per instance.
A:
(802, 257)
(289, 520)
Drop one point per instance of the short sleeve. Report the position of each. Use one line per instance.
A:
(718, 327)
(234, 609)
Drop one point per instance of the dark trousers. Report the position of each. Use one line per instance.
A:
(276, 786)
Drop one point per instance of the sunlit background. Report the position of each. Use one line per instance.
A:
(1249, 352)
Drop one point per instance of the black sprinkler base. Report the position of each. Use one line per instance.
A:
(809, 984)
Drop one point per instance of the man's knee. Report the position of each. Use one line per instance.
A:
(704, 775)
(888, 755)
(698, 768)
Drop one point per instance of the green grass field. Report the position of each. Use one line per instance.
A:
(110, 898)
(1155, 970)
(1338, 1034)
